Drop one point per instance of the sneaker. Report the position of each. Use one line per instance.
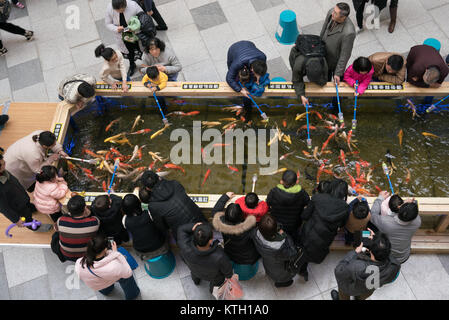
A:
(305, 276)
(3, 51)
(29, 35)
(358, 30)
(334, 295)
(160, 28)
(3, 119)
(20, 5)
(132, 69)
(283, 284)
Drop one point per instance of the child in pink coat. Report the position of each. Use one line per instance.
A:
(48, 190)
(362, 71)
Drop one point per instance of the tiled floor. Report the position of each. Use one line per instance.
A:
(200, 31)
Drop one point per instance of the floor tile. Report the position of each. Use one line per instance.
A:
(176, 14)
(3, 68)
(229, 3)
(400, 41)
(278, 68)
(160, 2)
(313, 14)
(444, 259)
(265, 44)
(33, 71)
(430, 29)
(270, 19)
(365, 50)
(34, 93)
(4, 290)
(106, 35)
(48, 29)
(208, 16)
(42, 9)
(38, 288)
(181, 268)
(426, 277)
(23, 264)
(440, 15)
(314, 28)
(197, 3)
(299, 290)
(201, 71)
(185, 41)
(260, 287)
(5, 90)
(60, 2)
(398, 290)
(244, 21)
(53, 54)
(196, 292)
(169, 288)
(54, 76)
(98, 9)
(222, 69)
(413, 14)
(218, 46)
(260, 5)
(17, 12)
(431, 4)
(323, 273)
(84, 55)
(92, 69)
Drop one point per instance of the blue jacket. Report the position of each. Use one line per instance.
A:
(241, 53)
(258, 89)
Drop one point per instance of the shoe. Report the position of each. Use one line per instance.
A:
(283, 284)
(3, 51)
(196, 280)
(334, 295)
(29, 35)
(305, 276)
(44, 228)
(132, 69)
(358, 30)
(20, 5)
(3, 119)
(160, 28)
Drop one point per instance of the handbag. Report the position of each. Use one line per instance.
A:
(293, 265)
(229, 290)
(129, 258)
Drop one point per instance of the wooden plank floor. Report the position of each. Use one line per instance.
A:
(24, 118)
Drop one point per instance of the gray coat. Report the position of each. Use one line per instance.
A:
(339, 43)
(352, 273)
(167, 59)
(399, 233)
(275, 255)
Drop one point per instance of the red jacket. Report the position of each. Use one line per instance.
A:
(258, 212)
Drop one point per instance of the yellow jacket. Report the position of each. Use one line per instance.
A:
(160, 83)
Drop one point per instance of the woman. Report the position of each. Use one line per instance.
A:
(236, 231)
(5, 10)
(114, 69)
(101, 267)
(156, 54)
(25, 157)
(118, 15)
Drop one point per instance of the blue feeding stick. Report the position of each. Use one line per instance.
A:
(433, 106)
(354, 121)
(164, 120)
(262, 114)
(340, 114)
(309, 141)
(385, 168)
(116, 163)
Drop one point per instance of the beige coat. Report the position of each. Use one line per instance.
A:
(379, 61)
(24, 158)
(110, 72)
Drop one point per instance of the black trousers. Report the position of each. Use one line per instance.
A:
(12, 28)
(157, 16)
(132, 49)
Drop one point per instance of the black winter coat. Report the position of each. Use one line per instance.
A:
(212, 265)
(170, 204)
(111, 221)
(147, 28)
(323, 216)
(240, 54)
(238, 243)
(287, 207)
(14, 200)
(146, 235)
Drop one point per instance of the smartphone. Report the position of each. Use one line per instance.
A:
(366, 234)
(110, 242)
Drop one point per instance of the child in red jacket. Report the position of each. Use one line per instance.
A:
(251, 205)
(362, 71)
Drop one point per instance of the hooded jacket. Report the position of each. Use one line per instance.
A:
(13, 197)
(275, 255)
(352, 275)
(286, 206)
(351, 76)
(238, 244)
(170, 203)
(47, 194)
(211, 265)
(111, 220)
(258, 212)
(323, 216)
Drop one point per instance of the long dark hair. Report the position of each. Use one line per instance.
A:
(45, 138)
(106, 53)
(47, 173)
(94, 247)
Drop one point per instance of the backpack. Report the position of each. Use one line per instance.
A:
(310, 45)
(147, 28)
(5, 10)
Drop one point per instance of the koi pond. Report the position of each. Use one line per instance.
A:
(388, 130)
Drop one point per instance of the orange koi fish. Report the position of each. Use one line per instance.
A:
(206, 176)
(141, 131)
(111, 124)
(91, 153)
(105, 189)
(332, 116)
(307, 154)
(377, 188)
(174, 166)
(351, 178)
(320, 170)
(192, 113)
(407, 178)
(284, 123)
(116, 152)
(298, 174)
(357, 168)
(305, 127)
(176, 113)
(342, 157)
(285, 155)
(317, 114)
(86, 171)
(232, 168)
(216, 145)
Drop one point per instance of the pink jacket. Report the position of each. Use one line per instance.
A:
(350, 77)
(47, 194)
(108, 270)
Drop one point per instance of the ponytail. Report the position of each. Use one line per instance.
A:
(47, 173)
(106, 53)
(45, 138)
(94, 247)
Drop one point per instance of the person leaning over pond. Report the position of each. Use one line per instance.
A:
(102, 266)
(25, 157)
(78, 90)
(156, 80)
(353, 273)
(308, 58)
(113, 70)
(388, 67)
(338, 33)
(158, 55)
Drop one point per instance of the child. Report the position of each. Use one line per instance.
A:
(358, 219)
(245, 78)
(362, 71)
(156, 81)
(108, 210)
(48, 190)
(248, 81)
(251, 205)
(390, 206)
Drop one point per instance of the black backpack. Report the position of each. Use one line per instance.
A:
(310, 46)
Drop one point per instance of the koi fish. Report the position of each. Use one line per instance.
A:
(233, 109)
(328, 171)
(114, 137)
(349, 139)
(129, 175)
(427, 134)
(276, 171)
(363, 191)
(210, 123)
(407, 178)
(413, 108)
(227, 119)
(192, 113)
(305, 127)
(324, 145)
(159, 132)
(105, 188)
(351, 178)
(273, 140)
(203, 154)
(369, 175)
(377, 188)
(179, 101)
(320, 170)
(286, 138)
(284, 123)
(111, 124)
(216, 145)
(155, 156)
(174, 166)
(315, 153)
(285, 155)
(300, 116)
(123, 141)
(357, 168)
(141, 131)
(163, 173)
(70, 165)
(116, 152)
(91, 177)
(400, 136)
(317, 114)
(91, 153)
(86, 171)
(298, 174)
(176, 113)
(124, 165)
(136, 121)
(361, 180)
(151, 166)
(231, 124)
(206, 176)
(307, 154)
(232, 168)
(102, 152)
(332, 116)
(342, 157)
(364, 163)
(134, 155)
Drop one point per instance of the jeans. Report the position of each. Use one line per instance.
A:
(128, 285)
(173, 76)
(12, 28)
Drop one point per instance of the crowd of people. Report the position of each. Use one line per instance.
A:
(287, 231)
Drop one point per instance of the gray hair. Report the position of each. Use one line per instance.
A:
(433, 75)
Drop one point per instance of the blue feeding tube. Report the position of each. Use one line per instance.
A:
(354, 121)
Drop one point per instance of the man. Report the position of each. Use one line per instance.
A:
(240, 55)
(74, 231)
(169, 202)
(356, 273)
(308, 58)
(399, 227)
(150, 8)
(78, 89)
(204, 257)
(338, 33)
(388, 67)
(14, 200)
(425, 67)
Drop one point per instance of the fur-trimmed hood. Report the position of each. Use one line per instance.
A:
(221, 226)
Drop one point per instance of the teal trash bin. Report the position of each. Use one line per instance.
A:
(278, 79)
(287, 31)
(245, 271)
(433, 43)
(161, 266)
